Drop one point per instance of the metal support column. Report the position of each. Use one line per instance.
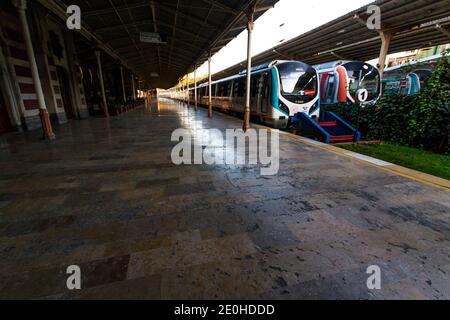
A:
(102, 85)
(195, 87)
(123, 85)
(183, 94)
(209, 87)
(133, 87)
(188, 96)
(21, 6)
(386, 38)
(250, 25)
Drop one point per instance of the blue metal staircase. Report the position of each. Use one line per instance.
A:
(330, 128)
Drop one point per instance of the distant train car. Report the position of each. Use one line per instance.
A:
(405, 84)
(279, 90)
(341, 80)
(409, 78)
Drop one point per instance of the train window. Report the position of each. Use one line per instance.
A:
(265, 92)
(254, 85)
(298, 82)
(291, 75)
(237, 84)
(329, 87)
(423, 75)
(363, 76)
(223, 89)
(265, 85)
(260, 85)
(239, 87)
(228, 89)
(243, 88)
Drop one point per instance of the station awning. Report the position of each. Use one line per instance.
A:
(416, 23)
(188, 28)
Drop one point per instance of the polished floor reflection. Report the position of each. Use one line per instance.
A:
(106, 196)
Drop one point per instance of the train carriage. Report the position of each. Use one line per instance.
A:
(341, 80)
(409, 78)
(279, 90)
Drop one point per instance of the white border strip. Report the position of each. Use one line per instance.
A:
(378, 162)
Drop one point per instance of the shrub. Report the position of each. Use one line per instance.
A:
(422, 120)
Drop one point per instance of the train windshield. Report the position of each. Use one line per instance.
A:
(423, 75)
(298, 82)
(363, 76)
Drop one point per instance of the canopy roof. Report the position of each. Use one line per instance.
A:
(191, 28)
(416, 23)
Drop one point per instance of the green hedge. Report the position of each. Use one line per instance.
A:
(421, 121)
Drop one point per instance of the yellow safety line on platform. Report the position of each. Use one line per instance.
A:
(393, 168)
(399, 170)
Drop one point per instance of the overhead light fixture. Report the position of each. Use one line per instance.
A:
(152, 37)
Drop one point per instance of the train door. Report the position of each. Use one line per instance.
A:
(5, 124)
(328, 88)
(64, 86)
(265, 93)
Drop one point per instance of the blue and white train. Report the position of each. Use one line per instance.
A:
(340, 81)
(409, 78)
(279, 90)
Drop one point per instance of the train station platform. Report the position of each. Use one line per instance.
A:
(106, 196)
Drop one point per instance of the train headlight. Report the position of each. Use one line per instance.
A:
(284, 108)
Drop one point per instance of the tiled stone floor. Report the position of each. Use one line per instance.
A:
(105, 196)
